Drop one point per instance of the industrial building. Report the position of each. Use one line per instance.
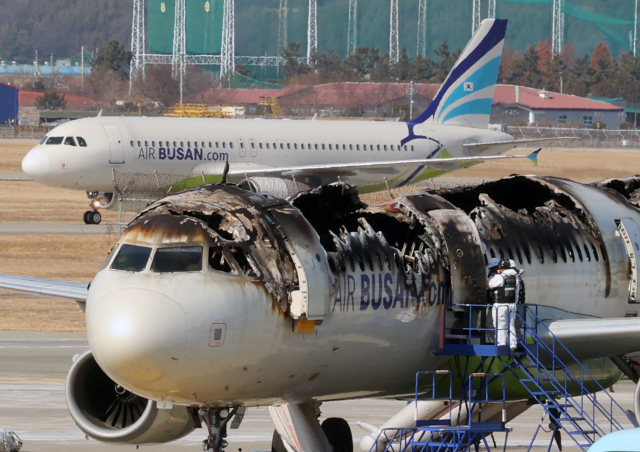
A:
(533, 106)
(8, 105)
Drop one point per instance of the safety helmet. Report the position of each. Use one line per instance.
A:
(505, 263)
(512, 263)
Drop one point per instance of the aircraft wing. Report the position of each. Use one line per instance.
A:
(45, 287)
(373, 167)
(498, 147)
(597, 338)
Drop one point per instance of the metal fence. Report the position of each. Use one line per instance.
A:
(597, 138)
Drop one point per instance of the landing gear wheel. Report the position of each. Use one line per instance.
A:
(339, 434)
(92, 217)
(276, 443)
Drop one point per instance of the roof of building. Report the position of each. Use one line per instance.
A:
(28, 99)
(533, 99)
(10, 86)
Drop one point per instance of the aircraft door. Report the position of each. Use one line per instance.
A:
(241, 148)
(630, 233)
(311, 262)
(116, 154)
(465, 255)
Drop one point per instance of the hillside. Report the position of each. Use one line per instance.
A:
(62, 26)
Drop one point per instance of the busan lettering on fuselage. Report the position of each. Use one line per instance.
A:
(385, 291)
(181, 154)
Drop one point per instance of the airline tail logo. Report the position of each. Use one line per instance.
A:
(466, 96)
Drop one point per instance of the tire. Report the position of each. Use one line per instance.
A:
(276, 443)
(339, 434)
(87, 220)
(95, 217)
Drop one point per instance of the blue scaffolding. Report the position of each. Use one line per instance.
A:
(549, 372)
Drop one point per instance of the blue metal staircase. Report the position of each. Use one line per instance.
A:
(545, 368)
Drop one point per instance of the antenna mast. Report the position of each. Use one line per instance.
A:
(475, 17)
(228, 63)
(394, 38)
(312, 30)
(422, 28)
(557, 39)
(137, 42)
(352, 33)
(492, 9)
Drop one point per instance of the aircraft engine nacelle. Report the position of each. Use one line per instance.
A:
(276, 186)
(109, 413)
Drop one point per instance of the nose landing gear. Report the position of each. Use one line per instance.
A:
(92, 216)
(216, 420)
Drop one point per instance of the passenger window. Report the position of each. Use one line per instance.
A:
(267, 145)
(203, 144)
(392, 148)
(357, 147)
(527, 254)
(586, 252)
(570, 251)
(224, 145)
(493, 253)
(364, 147)
(177, 259)
(241, 145)
(323, 147)
(295, 146)
(519, 254)
(330, 147)
(131, 258)
(378, 147)
(153, 144)
(209, 145)
(260, 145)
(288, 145)
(344, 147)
(217, 145)
(188, 144)
(244, 262)
(385, 147)
(69, 141)
(595, 253)
(562, 253)
(281, 145)
(554, 256)
(55, 140)
(218, 261)
(579, 251)
(182, 144)
(351, 147)
(540, 253)
(146, 144)
(316, 146)
(132, 143)
(412, 149)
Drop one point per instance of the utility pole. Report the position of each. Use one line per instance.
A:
(475, 17)
(557, 29)
(422, 28)
(312, 30)
(228, 65)
(283, 13)
(137, 43)
(410, 93)
(82, 67)
(352, 32)
(492, 9)
(394, 37)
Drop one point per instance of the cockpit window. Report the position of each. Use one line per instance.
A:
(178, 259)
(69, 141)
(131, 258)
(55, 140)
(219, 262)
(81, 142)
(44, 140)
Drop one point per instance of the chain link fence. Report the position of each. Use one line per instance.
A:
(597, 138)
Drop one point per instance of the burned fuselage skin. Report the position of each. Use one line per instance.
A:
(233, 297)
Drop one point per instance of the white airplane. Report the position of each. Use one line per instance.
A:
(217, 299)
(145, 158)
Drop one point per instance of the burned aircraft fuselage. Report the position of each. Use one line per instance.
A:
(222, 296)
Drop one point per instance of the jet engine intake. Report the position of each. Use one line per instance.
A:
(107, 412)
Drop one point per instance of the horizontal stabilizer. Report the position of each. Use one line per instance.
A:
(498, 147)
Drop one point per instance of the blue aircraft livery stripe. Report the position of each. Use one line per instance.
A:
(492, 39)
(471, 107)
(482, 78)
(408, 179)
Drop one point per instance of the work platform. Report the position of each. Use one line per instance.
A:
(541, 368)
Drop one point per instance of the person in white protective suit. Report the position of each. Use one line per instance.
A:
(506, 291)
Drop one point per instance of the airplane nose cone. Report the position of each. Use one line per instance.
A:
(36, 164)
(136, 335)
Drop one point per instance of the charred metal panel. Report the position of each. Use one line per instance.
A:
(466, 258)
(630, 234)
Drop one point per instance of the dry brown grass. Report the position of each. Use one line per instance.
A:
(72, 258)
(12, 152)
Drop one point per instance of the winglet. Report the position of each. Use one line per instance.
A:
(534, 156)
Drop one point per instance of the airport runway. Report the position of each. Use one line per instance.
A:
(16, 177)
(33, 368)
(45, 228)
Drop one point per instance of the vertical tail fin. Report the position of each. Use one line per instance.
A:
(465, 97)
